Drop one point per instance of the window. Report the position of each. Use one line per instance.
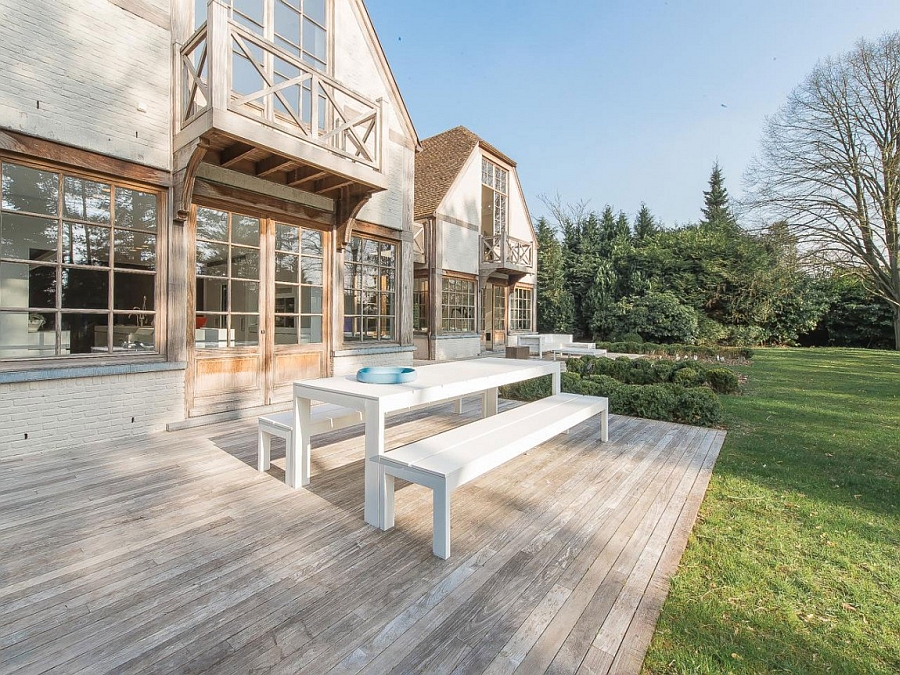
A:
(298, 28)
(420, 305)
(369, 291)
(520, 310)
(228, 266)
(458, 305)
(78, 263)
(495, 298)
(298, 285)
(494, 182)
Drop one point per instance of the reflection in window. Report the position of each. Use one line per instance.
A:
(299, 294)
(78, 263)
(369, 291)
(227, 311)
(494, 191)
(457, 305)
(420, 304)
(520, 309)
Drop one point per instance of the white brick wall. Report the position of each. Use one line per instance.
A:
(461, 248)
(448, 349)
(90, 64)
(65, 413)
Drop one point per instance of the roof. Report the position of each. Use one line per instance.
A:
(437, 166)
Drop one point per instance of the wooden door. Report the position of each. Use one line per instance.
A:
(258, 309)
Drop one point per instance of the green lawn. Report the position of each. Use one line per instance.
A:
(794, 563)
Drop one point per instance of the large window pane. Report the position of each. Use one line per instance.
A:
(135, 209)
(85, 289)
(27, 189)
(86, 200)
(212, 225)
(85, 244)
(28, 237)
(135, 250)
(71, 247)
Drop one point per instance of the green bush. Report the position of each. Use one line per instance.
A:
(529, 390)
(698, 406)
(688, 377)
(722, 381)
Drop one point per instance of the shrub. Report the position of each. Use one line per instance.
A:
(698, 406)
(652, 401)
(722, 381)
(529, 390)
(632, 337)
(687, 377)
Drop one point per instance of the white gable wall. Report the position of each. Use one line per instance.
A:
(90, 64)
(356, 67)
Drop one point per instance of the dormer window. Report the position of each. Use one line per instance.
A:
(494, 192)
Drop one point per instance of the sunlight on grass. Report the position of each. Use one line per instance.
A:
(791, 567)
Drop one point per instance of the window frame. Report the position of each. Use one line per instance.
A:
(454, 289)
(521, 307)
(499, 197)
(356, 335)
(155, 317)
(420, 305)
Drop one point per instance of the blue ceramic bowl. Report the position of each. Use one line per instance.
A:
(386, 375)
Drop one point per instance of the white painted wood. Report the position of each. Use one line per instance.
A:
(323, 418)
(433, 384)
(455, 457)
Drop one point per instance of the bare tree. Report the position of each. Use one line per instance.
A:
(830, 166)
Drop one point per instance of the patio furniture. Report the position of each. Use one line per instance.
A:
(455, 457)
(281, 425)
(543, 342)
(434, 383)
(578, 349)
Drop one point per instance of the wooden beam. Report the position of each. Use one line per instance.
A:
(36, 148)
(305, 175)
(242, 181)
(348, 207)
(236, 153)
(184, 183)
(330, 184)
(272, 164)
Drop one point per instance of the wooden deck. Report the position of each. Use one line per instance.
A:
(173, 554)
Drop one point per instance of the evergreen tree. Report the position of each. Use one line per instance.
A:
(644, 224)
(716, 206)
(555, 309)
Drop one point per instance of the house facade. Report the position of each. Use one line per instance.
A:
(475, 249)
(201, 202)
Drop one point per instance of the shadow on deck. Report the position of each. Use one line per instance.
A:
(173, 554)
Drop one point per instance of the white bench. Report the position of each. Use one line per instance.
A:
(326, 417)
(453, 458)
(578, 349)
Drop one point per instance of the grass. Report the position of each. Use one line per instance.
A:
(793, 564)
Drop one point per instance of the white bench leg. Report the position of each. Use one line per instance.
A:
(459, 406)
(604, 426)
(263, 450)
(441, 537)
(489, 402)
(387, 489)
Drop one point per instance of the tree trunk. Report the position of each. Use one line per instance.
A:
(897, 327)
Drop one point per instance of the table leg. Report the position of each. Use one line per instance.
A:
(296, 463)
(374, 488)
(489, 402)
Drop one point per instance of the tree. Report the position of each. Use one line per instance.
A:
(830, 166)
(644, 224)
(555, 311)
(716, 205)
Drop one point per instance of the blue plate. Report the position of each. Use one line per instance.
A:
(386, 375)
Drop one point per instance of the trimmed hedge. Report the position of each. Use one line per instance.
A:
(731, 353)
(656, 371)
(665, 401)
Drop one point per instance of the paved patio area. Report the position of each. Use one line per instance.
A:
(173, 554)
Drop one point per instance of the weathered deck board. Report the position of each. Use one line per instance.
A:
(173, 554)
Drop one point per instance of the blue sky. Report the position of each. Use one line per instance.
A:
(615, 101)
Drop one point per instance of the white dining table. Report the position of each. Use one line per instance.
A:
(434, 383)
